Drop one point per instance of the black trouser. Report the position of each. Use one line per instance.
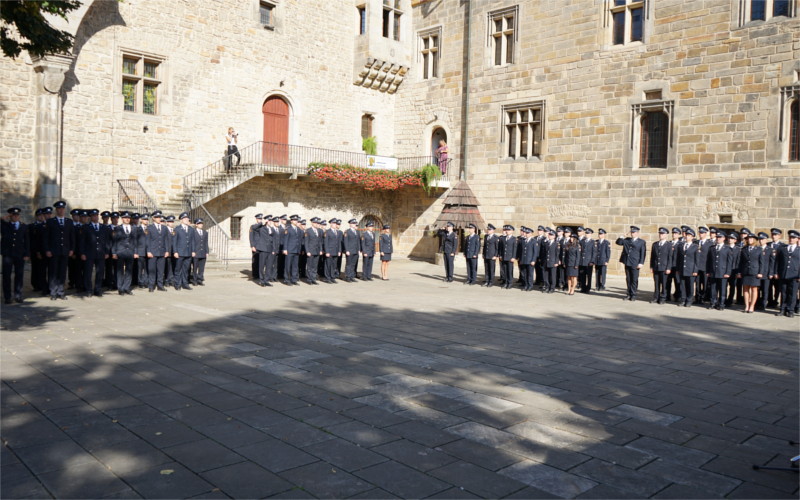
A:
(182, 271)
(330, 267)
(718, 290)
(733, 283)
(701, 284)
(281, 266)
(526, 273)
(169, 270)
(561, 277)
(75, 272)
(774, 292)
(472, 269)
(261, 273)
(110, 280)
(763, 290)
(687, 288)
(144, 278)
(550, 277)
(502, 272)
(600, 271)
(339, 265)
(632, 280)
(98, 265)
(199, 270)
(488, 270)
(17, 264)
(660, 281)
(449, 262)
(508, 266)
(233, 151)
(312, 265)
(585, 278)
(366, 268)
(58, 274)
(788, 294)
(672, 282)
(124, 273)
(155, 271)
(255, 266)
(350, 265)
(301, 264)
(291, 273)
(539, 268)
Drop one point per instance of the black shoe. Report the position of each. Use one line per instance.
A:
(18, 298)
(98, 293)
(333, 282)
(151, 289)
(162, 289)
(201, 283)
(626, 298)
(186, 287)
(7, 301)
(489, 285)
(62, 297)
(129, 292)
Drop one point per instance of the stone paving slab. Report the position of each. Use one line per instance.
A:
(410, 388)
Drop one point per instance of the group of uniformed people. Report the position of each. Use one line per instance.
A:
(81, 252)
(285, 249)
(756, 270)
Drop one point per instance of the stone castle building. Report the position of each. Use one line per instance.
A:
(587, 112)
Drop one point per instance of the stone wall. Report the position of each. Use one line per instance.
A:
(17, 124)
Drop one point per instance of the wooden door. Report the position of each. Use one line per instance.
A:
(276, 131)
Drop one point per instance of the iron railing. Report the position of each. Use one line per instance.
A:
(131, 195)
(269, 157)
(218, 239)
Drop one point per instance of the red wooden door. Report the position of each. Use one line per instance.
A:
(276, 131)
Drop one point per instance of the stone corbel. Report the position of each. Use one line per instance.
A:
(51, 71)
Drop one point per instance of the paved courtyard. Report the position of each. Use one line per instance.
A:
(409, 388)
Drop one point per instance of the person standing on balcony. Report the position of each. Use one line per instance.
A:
(441, 156)
(232, 139)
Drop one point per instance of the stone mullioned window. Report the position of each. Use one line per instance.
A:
(503, 32)
(429, 52)
(524, 129)
(141, 79)
(764, 10)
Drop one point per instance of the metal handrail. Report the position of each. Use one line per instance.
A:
(132, 195)
(218, 239)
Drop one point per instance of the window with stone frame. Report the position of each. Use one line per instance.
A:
(236, 228)
(503, 32)
(391, 19)
(789, 129)
(763, 10)
(626, 21)
(141, 80)
(366, 125)
(362, 19)
(266, 14)
(654, 118)
(429, 48)
(523, 125)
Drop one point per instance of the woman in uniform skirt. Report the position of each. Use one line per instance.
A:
(753, 266)
(386, 251)
(571, 258)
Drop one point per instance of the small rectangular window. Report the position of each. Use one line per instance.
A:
(503, 35)
(653, 95)
(429, 52)
(627, 21)
(391, 19)
(129, 66)
(366, 125)
(236, 228)
(129, 94)
(149, 98)
(362, 20)
(265, 12)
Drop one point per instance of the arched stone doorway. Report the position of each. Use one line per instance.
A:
(437, 135)
(276, 131)
(370, 218)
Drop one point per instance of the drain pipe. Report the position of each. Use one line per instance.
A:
(465, 90)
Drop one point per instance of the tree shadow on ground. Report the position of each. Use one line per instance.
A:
(324, 400)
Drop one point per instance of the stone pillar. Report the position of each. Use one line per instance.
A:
(50, 72)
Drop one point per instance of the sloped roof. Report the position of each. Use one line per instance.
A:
(460, 208)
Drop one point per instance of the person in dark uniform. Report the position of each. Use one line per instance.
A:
(313, 248)
(283, 225)
(689, 261)
(108, 272)
(262, 237)
(199, 253)
(95, 248)
(38, 264)
(340, 233)
(74, 280)
(125, 250)
(156, 247)
(753, 266)
(59, 246)
(763, 286)
(551, 261)
(490, 255)
(386, 248)
(352, 244)
(586, 268)
(562, 238)
(704, 242)
(673, 285)
(448, 249)
(634, 251)
(787, 267)
(520, 241)
(254, 234)
(509, 255)
(292, 245)
(183, 251)
(15, 248)
(719, 266)
(571, 258)
(602, 253)
(529, 253)
(143, 278)
(277, 241)
(367, 251)
(661, 264)
(170, 261)
(472, 247)
(774, 282)
(733, 243)
(332, 247)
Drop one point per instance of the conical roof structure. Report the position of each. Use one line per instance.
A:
(460, 208)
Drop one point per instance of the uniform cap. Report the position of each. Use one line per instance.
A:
(39, 211)
(690, 231)
(125, 214)
(323, 223)
(601, 231)
(676, 230)
(581, 228)
(744, 230)
(684, 228)
(259, 216)
(144, 217)
(721, 234)
(702, 229)
(589, 230)
(94, 211)
(387, 226)
(332, 221)
(574, 236)
(663, 230)
(566, 230)
(370, 224)
(733, 235)
(712, 229)
(510, 227)
(60, 204)
(450, 224)
(775, 230)
(490, 227)
(551, 232)
(114, 214)
(752, 235)
(283, 217)
(198, 220)
(75, 211)
(634, 229)
(135, 215)
(105, 213)
(47, 210)
(276, 219)
(14, 211)
(302, 222)
(473, 226)
(183, 215)
(169, 218)
(794, 234)
(157, 213)
(540, 228)
(763, 236)
(294, 217)
(352, 221)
